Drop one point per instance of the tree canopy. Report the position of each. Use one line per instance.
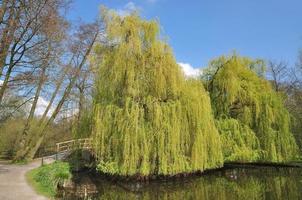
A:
(148, 119)
(251, 117)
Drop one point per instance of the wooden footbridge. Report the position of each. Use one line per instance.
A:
(70, 145)
(59, 150)
(63, 149)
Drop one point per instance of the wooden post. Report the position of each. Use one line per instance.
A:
(42, 159)
(57, 151)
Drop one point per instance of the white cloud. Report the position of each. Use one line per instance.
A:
(190, 71)
(128, 9)
(41, 107)
(64, 113)
(130, 6)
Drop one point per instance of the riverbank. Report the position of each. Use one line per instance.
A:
(227, 165)
(294, 164)
(13, 184)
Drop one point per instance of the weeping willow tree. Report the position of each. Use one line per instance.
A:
(251, 118)
(148, 119)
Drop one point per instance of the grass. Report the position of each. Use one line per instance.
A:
(45, 179)
(40, 189)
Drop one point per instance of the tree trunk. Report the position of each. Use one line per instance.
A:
(81, 88)
(5, 83)
(54, 95)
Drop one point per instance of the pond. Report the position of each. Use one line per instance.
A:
(271, 183)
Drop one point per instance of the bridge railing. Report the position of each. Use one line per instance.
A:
(62, 149)
(84, 143)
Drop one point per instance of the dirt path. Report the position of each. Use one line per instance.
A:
(13, 185)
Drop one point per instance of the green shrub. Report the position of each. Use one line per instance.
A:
(9, 133)
(108, 167)
(46, 179)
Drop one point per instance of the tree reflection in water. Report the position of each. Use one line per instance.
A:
(233, 184)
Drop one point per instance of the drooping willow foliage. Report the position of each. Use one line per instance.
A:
(239, 142)
(251, 118)
(148, 119)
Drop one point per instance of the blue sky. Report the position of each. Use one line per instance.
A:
(200, 30)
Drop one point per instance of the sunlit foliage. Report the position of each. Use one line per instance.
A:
(251, 117)
(148, 119)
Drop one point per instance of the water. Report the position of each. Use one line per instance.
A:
(258, 183)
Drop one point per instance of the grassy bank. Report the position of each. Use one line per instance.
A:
(45, 179)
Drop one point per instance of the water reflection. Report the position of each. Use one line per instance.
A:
(231, 184)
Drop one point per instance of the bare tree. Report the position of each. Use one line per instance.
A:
(80, 48)
(278, 72)
(25, 29)
(295, 101)
(298, 74)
